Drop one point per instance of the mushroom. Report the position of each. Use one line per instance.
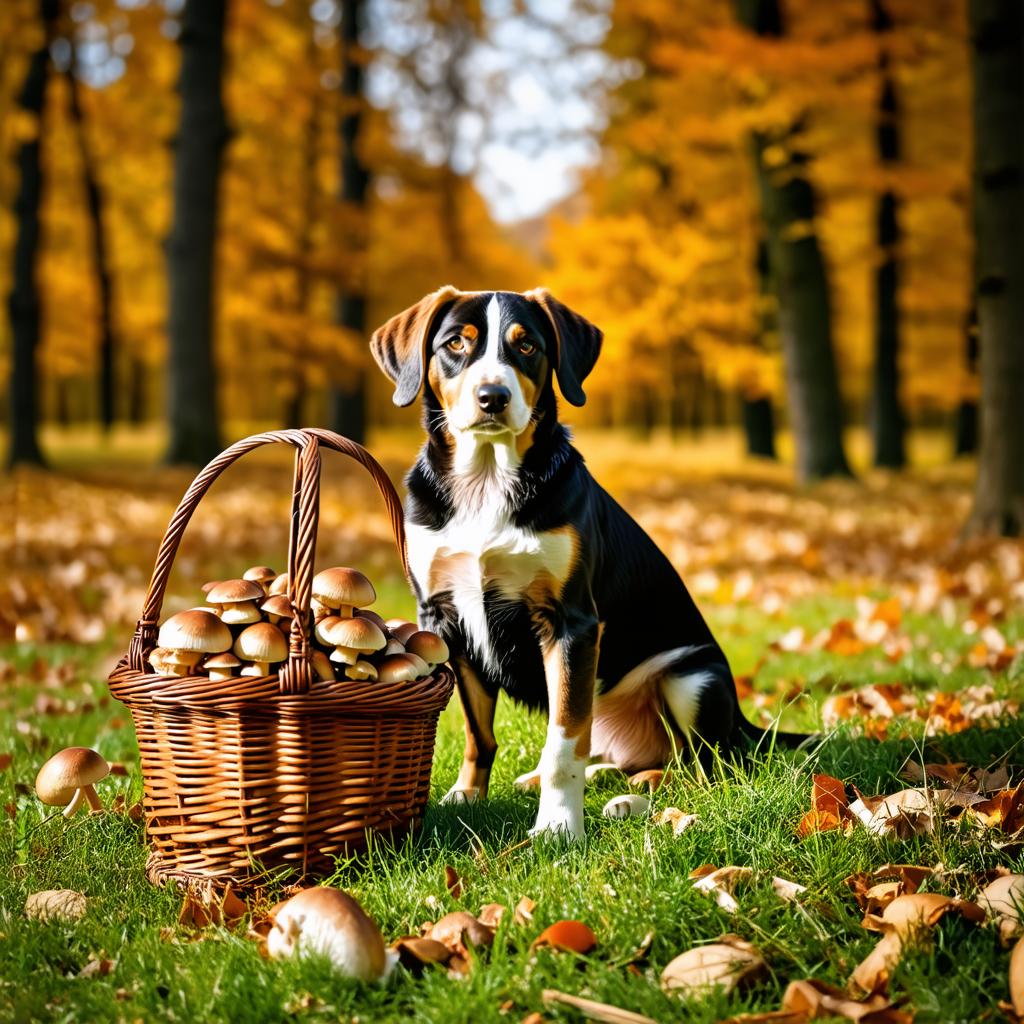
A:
(428, 646)
(401, 630)
(236, 601)
(422, 668)
(262, 644)
(221, 666)
(167, 663)
(360, 670)
(398, 668)
(279, 586)
(322, 667)
(330, 923)
(393, 646)
(189, 635)
(349, 637)
(68, 777)
(342, 590)
(278, 610)
(261, 574)
(207, 587)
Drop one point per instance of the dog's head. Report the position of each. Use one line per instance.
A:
(487, 357)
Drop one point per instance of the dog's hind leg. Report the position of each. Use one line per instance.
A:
(478, 708)
(702, 703)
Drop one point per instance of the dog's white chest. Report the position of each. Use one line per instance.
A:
(482, 551)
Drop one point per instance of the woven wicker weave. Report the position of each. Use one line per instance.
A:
(248, 774)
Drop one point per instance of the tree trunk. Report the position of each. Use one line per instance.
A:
(135, 404)
(997, 36)
(101, 264)
(348, 399)
(887, 420)
(23, 301)
(965, 440)
(759, 426)
(202, 134)
(798, 270)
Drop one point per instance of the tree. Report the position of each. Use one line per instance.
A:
(348, 400)
(23, 301)
(788, 206)
(997, 39)
(887, 421)
(96, 204)
(202, 135)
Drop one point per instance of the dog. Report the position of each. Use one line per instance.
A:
(542, 586)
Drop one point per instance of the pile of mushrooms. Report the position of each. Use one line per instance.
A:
(243, 631)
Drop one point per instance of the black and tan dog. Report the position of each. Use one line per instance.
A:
(541, 585)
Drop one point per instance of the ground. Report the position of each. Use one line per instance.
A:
(813, 592)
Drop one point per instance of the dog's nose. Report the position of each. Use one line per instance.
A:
(493, 398)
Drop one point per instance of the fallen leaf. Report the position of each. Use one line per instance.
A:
(724, 964)
(673, 816)
(56, 905)
(909, 914)
(415, 952)
(524, 910)
(628, 805)
(829, 808)
(722, 882)
(1005, 810)
(568, 935)
(652, 779)
(460, 931)
(871, 975)
(819, 999)
(605, 1013)
(453, 882)
(5, 762)
(97, 968)
(787, 890)
(491, 914)
(201, 908)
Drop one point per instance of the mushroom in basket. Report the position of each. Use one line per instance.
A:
(400, 668)
(67, 779)
(339, 591)
(262, 644)
(278, 610)
(221, 666)
(185, 638)
(350, 638)
(261, 574)
(428, 646)
(236, 601)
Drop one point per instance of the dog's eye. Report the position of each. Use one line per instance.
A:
(526, 347)
(456, 345)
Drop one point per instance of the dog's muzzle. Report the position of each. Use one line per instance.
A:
(493, 398)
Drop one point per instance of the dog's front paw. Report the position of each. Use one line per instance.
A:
(560, 822)
(461, 795)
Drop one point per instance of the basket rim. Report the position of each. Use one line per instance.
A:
(153, 691)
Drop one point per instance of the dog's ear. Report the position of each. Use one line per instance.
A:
(400, 345)
(577, 344)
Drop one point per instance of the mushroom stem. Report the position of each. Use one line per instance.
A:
(346, 610)
(90, 794)
(74, 803)
(262, 667)
(348, 655)
(219, 674)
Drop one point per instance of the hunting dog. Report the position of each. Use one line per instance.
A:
(540, 584)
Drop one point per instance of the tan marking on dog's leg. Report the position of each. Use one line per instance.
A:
(478, 709)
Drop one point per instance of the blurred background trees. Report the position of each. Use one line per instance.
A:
(205, 207)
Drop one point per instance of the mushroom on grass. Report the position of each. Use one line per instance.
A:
(428, 646)
(262, 644)
(349, 637)
(342, 590)
(68, 777)
(236, 601)
(189, 635)
(330, 923)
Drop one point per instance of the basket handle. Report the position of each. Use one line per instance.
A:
(295, 676)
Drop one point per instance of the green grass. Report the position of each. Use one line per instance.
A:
(628, 877)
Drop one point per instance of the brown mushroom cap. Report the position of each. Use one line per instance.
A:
(207, 587)
(359, 634)
(366, 613)
(261, 642)
(322, 666)
(222, 661)
(68, 771)
(279, 605)
(329, 922)
(397, 668)
(340, 586)
(279, 585)
(429, 646)
(261, 574)
(195, 630)
(234, 591)
(402, 630)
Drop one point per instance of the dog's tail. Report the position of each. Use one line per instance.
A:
(746, 734)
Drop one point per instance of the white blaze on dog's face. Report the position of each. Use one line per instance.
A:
(488, 362)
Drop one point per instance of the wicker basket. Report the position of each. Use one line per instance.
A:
(250, 774)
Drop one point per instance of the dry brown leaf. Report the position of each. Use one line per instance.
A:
(871, 975)
(605, 1013)
(1004, 810)
(56, 905)
(524, 910)
(786, 890)
(829, 809)
(725, 964)
(568, 935)
(722, 882)
(819, 999)
(679, 821)
(460, 931)
(914, 912)
(491, 914)
(208, 906)
(97, 968)
(5, 762)
(652, 778)
(415, 952)
(453, 882)
(769, 1017)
